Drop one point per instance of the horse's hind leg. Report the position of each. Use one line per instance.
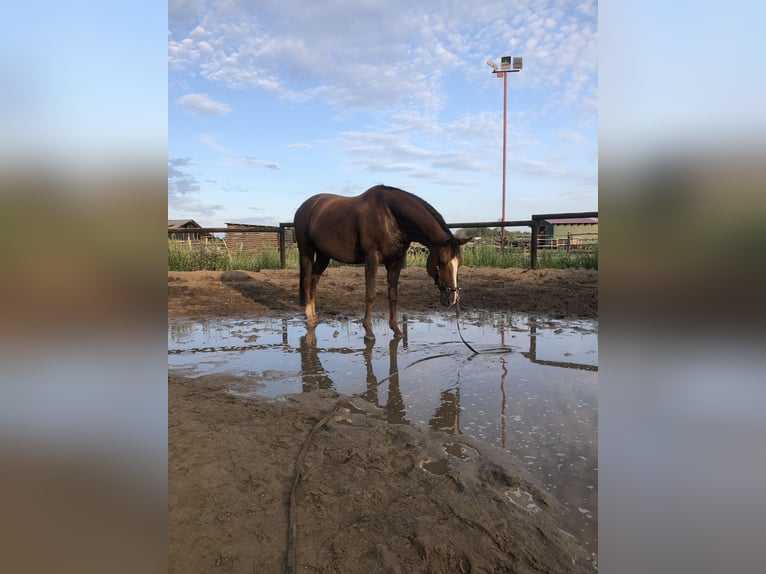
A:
(370, 270)
(310, 279)
(305, 261)
(306, 292)
(394, 269)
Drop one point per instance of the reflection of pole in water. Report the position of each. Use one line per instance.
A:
(372, 381)
(502, 404)
(284, 332)
(404, 331)
(313, 374)
(395, 412)
(447, 415)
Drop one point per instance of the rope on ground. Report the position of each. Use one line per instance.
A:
(291, 522)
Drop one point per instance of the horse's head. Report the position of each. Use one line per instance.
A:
(443, 263)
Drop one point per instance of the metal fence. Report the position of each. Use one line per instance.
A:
(573, 242)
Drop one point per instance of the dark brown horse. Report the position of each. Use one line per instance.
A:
(373, 228)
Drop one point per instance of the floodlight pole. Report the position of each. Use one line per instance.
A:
(506, 69)
(505, 134)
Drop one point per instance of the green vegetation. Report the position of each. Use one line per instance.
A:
(185, 257)
(561, 260)
(486, 255)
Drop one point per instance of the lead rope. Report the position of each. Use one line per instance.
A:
(492, 351)
(457, 319)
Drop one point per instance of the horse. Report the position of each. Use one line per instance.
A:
(373, 228)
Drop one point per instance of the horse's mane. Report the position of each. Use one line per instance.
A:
(428, 207)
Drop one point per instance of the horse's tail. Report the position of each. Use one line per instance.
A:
(306, 248)
(304, 269)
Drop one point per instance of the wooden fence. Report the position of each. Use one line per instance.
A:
(536, 244)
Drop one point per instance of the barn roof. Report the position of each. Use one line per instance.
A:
(572, 220)
(252, 225)
(182, 223)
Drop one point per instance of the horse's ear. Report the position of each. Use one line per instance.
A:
(463, 240)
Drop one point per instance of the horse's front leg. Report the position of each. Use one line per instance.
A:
(393, 294)
(370, 270)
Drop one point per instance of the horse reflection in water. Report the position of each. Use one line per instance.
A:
(446, 416)
(394, 408)
(313, 373)
(373, 228)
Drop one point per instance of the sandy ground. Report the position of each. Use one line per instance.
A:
(372, 497)
(556, 293)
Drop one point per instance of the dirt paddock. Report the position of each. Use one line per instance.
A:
(366, 501)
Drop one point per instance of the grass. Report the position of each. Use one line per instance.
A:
(559, 260)
(182, 257)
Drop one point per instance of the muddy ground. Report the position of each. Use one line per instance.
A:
(372, 497)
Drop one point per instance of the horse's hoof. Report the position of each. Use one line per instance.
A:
(369, 337)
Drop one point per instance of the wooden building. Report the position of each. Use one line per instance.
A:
(187, 224)
(568, 232)
(263, 238)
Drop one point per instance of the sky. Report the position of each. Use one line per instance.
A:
(271, 102)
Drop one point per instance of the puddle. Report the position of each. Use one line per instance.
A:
(460, 451)
(437, 467)
(537, 401)
(522, 499)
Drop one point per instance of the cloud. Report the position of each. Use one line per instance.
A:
(202, 105)
(555, 169)
(387, 152)
(388, 64)
(181, 184)
(572, 137)
(212, 143)
(183, 188)
(260, 163)
(382, 55)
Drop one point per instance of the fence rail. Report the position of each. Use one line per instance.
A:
(535, 242)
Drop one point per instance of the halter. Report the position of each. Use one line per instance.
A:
(444, 289)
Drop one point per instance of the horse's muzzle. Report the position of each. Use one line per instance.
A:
(448, 296)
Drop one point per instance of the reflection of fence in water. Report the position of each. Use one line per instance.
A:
(532, 355)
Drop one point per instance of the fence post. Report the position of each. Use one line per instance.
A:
(533, 244)
(282, 258)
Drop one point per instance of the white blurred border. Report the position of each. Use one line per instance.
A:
(681, 334)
